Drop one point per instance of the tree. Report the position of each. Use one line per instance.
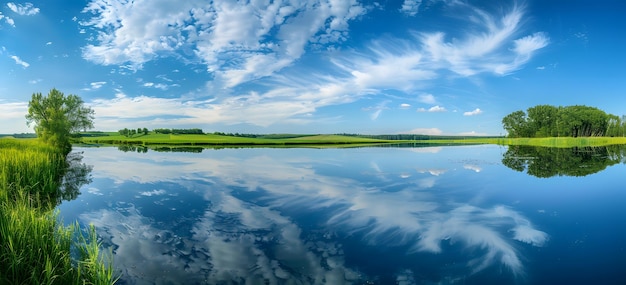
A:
(516, 124)
(550, 121)
(57, 117)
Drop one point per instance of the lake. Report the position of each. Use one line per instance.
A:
(380, 215)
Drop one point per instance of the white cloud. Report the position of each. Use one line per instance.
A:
(97, 85)
(411, 7)
(405, 106)
(237, 41)
(7, 19)
(472, 167)
(12, 117)
(475, 112)
(242, 42)
(48, 43)
(20, 61)
(153, 193)
(427, 99)
(35, 81)
(426, 131)
(527, 45)
(433, 109)
(26, 9)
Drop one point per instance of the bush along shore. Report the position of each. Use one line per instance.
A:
(35, 247)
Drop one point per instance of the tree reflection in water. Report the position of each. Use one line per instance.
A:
(75, 175)
(550, 161)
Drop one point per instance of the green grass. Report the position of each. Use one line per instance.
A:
(211, 139)
(329, 140)
(546, 142)
(35, 248)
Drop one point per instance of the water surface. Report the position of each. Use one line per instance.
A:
(433, 215)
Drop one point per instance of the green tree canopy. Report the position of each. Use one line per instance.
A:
(551, 121)
(56, 117)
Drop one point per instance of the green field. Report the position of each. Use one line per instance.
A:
(217, 140)
(546, 142)
(151, 139)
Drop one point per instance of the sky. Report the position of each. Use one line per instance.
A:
(436, 67)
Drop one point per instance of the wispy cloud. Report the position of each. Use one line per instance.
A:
(405, 106)
(26, 9)
(433, 109)
(411, 7)
(427, 99)
(19, 61)
(377, 110)
(475, 112)
(237, 41)
(94, 85)
(256, 44)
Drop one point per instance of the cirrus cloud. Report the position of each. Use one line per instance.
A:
(26, 9)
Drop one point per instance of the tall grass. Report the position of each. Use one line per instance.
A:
(563, 142)
(35, 248)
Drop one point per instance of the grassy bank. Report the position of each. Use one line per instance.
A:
(152, 139)
(35, 248)
(217, 140)
(546, 142)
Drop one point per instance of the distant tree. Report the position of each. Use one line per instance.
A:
(57, 117)
(574, 121)
(145, 131)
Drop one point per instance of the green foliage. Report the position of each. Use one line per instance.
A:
(570, 121)
(179, 131)
(57, 117)
(550, 161)
(35, 248)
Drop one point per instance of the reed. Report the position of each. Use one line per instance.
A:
(35, 248)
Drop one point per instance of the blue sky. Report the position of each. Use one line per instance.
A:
(312, 66)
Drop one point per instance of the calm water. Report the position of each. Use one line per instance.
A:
(436, 215)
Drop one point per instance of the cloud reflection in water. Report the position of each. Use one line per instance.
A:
(247, 239)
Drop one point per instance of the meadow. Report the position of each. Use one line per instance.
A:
(216, 140)
(334, 140)
(35, 247)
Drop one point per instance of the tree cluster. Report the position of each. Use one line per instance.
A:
(131, 132)
(179, 131)
(568, 121)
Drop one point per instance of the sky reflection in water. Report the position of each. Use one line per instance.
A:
(308, 216)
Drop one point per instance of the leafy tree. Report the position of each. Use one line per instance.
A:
(542, 120)
(57, 117)
(516, 124)
(550, 121)
(145, 131)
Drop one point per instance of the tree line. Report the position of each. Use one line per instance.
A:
(569, 121)
(131, 132)
(194, 131)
